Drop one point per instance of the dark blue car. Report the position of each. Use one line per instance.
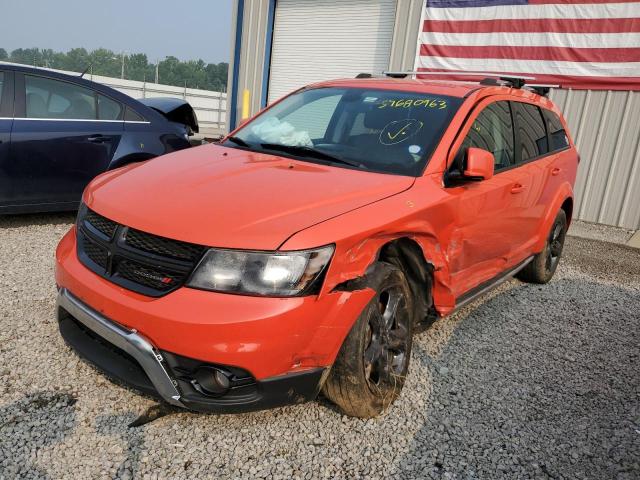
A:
(58, 131)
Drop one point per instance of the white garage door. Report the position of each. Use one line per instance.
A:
(316, 40)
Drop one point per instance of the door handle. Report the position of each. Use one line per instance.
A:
(517, 188)
(555, 171)
(98, 139)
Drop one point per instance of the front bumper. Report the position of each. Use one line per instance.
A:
(127, 356)
(276, 349)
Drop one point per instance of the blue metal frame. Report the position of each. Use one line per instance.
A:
(233, 114)
(267, 53)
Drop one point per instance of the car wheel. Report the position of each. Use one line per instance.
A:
(370, 369)
(544, 264)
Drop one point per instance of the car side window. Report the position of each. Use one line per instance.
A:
(1, 84)
(48, 98)
(492, 130)
(109, 109)
(531, 131)
(131, 115)
(557, 134)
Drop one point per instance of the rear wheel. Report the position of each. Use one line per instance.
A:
(370, 369)
(545, 263)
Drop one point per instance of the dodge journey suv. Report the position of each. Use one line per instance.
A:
(301, 253)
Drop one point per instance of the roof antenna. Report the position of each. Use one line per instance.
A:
(86, 69)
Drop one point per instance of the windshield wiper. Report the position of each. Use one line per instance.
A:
(310, 152)
(238, 141)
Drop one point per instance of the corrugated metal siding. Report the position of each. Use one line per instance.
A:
(606, 128)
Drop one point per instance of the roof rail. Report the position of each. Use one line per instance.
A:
(457, 73)
(490, 78)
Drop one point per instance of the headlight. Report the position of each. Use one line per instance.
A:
(281, 274)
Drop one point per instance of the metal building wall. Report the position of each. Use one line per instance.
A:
(606, 128)
(605, 124)
(250, 58)
(257, 15)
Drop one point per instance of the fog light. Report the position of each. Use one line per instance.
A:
(211, 381)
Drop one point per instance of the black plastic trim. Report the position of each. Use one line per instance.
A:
(246, 395)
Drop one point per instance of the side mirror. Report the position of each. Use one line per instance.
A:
(480, 164)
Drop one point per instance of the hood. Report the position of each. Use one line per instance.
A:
(225, 197)
(174, 110)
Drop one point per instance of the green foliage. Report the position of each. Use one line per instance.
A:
(171, 71)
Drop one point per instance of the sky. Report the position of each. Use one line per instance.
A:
(188, 30)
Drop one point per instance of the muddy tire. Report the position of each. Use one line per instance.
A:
(370, 369)
(545, 263)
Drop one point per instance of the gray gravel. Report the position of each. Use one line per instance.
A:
(528, 382)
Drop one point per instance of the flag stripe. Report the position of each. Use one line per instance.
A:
(629, 69)
(591, 82)
(537, 39)
(556, 54)
(546, 11)
(577, 43)
(544, 2)
(585, 25)
(492, 3)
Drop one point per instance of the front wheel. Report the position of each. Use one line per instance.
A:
(370, 369)
(544, 264)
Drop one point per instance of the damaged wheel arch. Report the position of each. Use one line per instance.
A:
(406, 254)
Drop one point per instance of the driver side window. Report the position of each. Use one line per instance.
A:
(492, 130)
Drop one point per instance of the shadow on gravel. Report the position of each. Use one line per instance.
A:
(36, 421)
(118, 425)
(540, 381)
(33, 219)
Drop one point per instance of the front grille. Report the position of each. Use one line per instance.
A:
(163, 246)
(100, 223)
(95, 252)
(139, 261)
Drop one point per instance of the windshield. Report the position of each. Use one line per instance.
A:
(379, 130)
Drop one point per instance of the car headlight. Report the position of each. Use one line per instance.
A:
(281, 274)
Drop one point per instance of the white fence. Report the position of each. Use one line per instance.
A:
(210, 106)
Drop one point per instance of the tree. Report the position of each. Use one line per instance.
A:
(172, 71)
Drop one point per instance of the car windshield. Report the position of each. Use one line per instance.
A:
(378, 130)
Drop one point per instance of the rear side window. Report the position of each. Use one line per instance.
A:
(531, 131)
(48, 98)
(492, 130)
(557, 134)
(131, 115)
(109, 109)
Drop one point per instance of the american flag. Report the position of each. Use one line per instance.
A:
(584, 44)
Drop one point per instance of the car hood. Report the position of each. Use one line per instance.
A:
(226, 197)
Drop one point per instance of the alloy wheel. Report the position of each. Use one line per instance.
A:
(387, 340)
(556, 241)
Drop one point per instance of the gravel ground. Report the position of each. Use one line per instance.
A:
(528, 382)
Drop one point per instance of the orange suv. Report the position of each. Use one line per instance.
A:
(302, 253)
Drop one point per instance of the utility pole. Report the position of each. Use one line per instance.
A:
(122, 70)
(157, 65)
